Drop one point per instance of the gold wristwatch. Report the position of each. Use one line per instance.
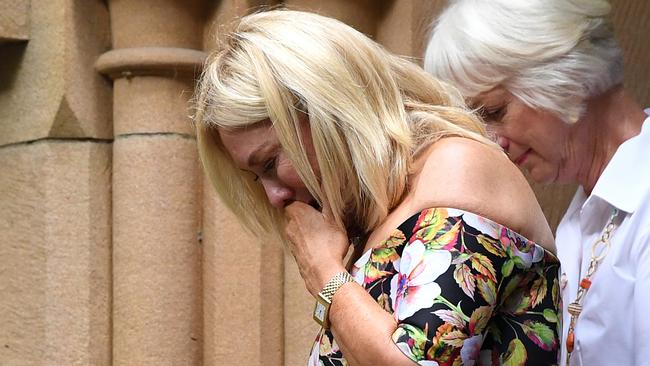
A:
(324, 298)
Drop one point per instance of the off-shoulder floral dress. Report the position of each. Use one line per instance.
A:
(464, 291)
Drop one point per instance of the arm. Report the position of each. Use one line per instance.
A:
(363, 334)
(458, 176)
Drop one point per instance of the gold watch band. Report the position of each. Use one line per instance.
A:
(334, 284)
(324, 298)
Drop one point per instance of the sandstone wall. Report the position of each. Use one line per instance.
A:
(114, 249)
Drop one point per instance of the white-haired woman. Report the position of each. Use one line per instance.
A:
(547, 76)
(313, 133)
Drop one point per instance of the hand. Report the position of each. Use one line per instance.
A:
(317, 243)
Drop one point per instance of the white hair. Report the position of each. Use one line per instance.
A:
(551, 54)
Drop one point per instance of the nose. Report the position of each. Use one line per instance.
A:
(503, 142)
(278, 194)
(511, 148)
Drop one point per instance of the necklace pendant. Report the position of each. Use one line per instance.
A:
(570, 342)
(575, 309)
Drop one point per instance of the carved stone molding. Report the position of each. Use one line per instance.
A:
(150, 61)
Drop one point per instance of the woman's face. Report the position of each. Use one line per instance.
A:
(257, 150)
(535, 140)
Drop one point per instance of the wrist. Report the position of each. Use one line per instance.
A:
(326, 295)
(327, 274)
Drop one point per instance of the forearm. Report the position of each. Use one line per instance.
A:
(363, 329)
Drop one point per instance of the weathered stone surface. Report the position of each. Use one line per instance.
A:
(554, 200)
(632, 26)
(242, 291)
(48, 86)
(299, 328)
(152, 23)
(14, 20)
(152, 104)
(395, 28)
(222, 15)
(360, 14)
(55, 217)
(156, 255)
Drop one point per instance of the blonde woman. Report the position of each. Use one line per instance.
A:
(547, 75)
(314, 134)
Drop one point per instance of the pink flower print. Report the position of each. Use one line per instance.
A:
(315, 353)
(413, 287)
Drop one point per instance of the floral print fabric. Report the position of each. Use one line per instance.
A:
(464, 290)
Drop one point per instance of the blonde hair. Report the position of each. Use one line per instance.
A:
(369, 113)
(551, 54)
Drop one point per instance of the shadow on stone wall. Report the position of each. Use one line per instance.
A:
(12, 57)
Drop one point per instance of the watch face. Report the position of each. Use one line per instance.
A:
(320, 312)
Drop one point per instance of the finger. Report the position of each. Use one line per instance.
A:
(295, 209)
(326, 210)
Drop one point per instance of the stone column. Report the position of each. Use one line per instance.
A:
(156, 252)
(243, 278)
(55, 177)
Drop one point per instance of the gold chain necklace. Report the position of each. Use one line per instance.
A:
(599, 251)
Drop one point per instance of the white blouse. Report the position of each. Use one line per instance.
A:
(614, 326)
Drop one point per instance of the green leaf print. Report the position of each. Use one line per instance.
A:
(516, 354)
(507, 267)
(384, 255)
(538, 291)
(555, 292)
(479, 319)
(454, 338)
(483, 264)
(432, 217)
(491, 245)
(487, 289)
(373, 273)
(384, 301)
(523, 305)
(550, 315)
(459, 258)
(414, 337)
(513, 284)
(541, 334)
(395, 240)
(448, 237)
(464, 279)
(519, 262)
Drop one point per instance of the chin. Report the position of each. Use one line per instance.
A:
(542, 176)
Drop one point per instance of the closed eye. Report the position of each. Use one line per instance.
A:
(268, 166)
(492, 114)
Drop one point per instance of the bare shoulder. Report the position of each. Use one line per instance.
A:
(469, 175)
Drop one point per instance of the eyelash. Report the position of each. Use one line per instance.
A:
(268, 166)
(494, 114)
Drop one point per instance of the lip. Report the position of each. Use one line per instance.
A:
(522, 158)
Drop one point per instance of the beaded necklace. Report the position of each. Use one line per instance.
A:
(599, 251)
